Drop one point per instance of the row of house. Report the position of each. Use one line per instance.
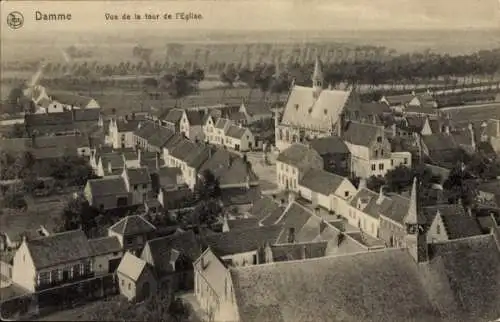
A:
(311, 254)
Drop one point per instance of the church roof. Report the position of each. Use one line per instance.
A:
(321, 113)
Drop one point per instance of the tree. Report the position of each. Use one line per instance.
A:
(229, 75)
(15, 95)
(159, 308)
(78, 214)
(18, 131)
(461, 186)
(375, 182)
(208, 194)
(399, 178)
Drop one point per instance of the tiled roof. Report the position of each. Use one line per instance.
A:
(460, 282)
(356, 288)
(138, 175)
(303, 109)
(183, 149)
(257, 108)
(198, 156)
(222, 123)
(132, 225)
(160, 248)
(131, 266)
(295, 216)
(460, 226)
(195, 117)
(174, 115)
(87, 115)
(160, 136)
(399, 99)
(329, 145)
(264, 207)
(369, 199)
(242, 240)
(298, 155)
(439, 141)
(105, 245)
(59, 248)
(145, 129)
(127, 125)
(361, 133)
(70, 99)
(238, 117)
(242, 223)
(175, 140)
(33, 120)
(395, 208)
(469, 270)
(430, 212)
(321, 181)
(287, 252)
(167, 176)
(109, 185)
(114, 158)
(235, 131)
(229, 168)
(240, 195)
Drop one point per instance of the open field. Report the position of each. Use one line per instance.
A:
(474, 112)
(42, 212)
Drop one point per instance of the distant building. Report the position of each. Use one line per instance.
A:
(371, 150)
(135, 278)
(311, 112)
(335, 153)
(292, 164)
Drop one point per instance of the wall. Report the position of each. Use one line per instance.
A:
(356, 217)
(243, 259)
(391, 233)
(101, 262)
(287, 174)
(127, 286)
(437, 231)
(220, 307)
(24, 273)
(401, 158)
(6, 269)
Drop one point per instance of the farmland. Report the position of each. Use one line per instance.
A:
(474, 112)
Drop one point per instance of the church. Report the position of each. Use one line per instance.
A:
(311, 112)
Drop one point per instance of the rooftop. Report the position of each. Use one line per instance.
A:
(132, 225)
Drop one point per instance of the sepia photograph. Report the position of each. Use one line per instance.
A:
(250, 161)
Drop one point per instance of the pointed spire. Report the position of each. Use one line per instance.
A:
(413, 217)
(318, 72)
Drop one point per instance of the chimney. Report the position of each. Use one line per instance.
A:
(472, 138)
(362, 184)
(291, 235)
(225, 225)
(394, 130)
(303, 252)
(380, 195)
(268, 253)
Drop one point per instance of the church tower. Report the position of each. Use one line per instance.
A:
(416, 238)
(317, 78)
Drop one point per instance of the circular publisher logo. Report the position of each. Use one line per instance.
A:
(15, 20)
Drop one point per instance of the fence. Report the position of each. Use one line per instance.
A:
(58, 298)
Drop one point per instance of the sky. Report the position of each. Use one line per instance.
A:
(259, 15)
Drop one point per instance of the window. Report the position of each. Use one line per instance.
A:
(376, 153)
(296, 106)
(381, 166)
(438, 229)
(100, 266)
(144, 186)
(129, 286)
(379, 139)
(346, 194)
(44, 278)
(135, 187)
(382, 153)
(325, 111)
(129, 241)
(373, 167)
(406, 161)
(123, 282)
(392, 162)
(115, 254)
